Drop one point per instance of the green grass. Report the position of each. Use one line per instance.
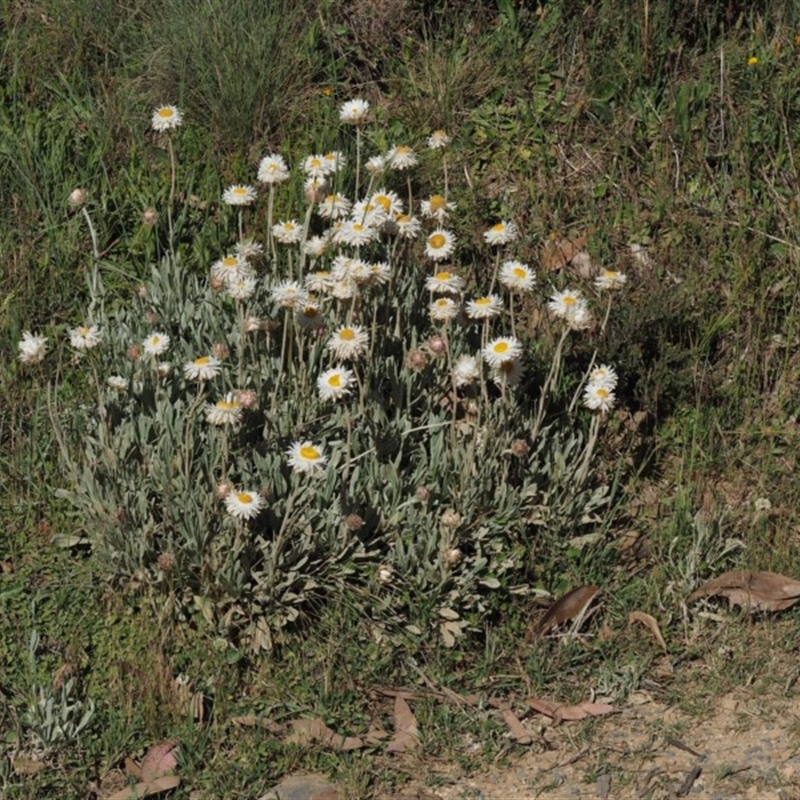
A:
(653, 131)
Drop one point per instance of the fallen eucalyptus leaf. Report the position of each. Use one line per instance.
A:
(315, 731)
(650, 623)
(563, 713)
(141, 790)
(752, 591)
(406, 732)
(567, 607)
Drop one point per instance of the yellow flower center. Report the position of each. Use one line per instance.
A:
(244, 497)
(402, 219)
(202, 361)
(437, 241)
(310, 312)
(402, 150)
(348, 334)
(520, 273)
(357, 227)
(384, 202)
(602, 393)
(309, 453)
(155, 340)
(84, 331)
(239, 190)
(288, 226)
(330, 199)
(499, 227)
(335, 380)
(443, 276)
(483, 301)
(569, 300)
(501, 347)
(437, 203)
(442, 302)
(610, 273)
(227, 405)
(165, 113)
(230, 261)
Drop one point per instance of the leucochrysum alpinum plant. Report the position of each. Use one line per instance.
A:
(334, 404)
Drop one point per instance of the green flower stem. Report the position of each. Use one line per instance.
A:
(173, 182)
(550, 382)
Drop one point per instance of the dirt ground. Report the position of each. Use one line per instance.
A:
(744, 747)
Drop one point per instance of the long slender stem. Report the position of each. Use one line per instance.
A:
(173, 183)
(550, 382)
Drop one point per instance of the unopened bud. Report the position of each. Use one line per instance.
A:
(353, 522)
(416, 360)
(453, 556)
(134, 352)
(77, 197)
(385, 574)
(149, 216)
(520, 448)
(437, 345)
(451, 519)
(220, 350)
(422, 493)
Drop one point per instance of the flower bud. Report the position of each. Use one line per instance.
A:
(450, 519)
(353, 522)
(385, 574)
(77, 197)
(520, 448)
(149, 216)
(134, 352)
(422, 493)
(416, 360)
(453, 556)
(437, 345)
(220, 350)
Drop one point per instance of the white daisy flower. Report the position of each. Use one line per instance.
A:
(335, 383)
(239, 195)
(319, 281)
(317, 166)
(231, 268)
(306, 457)
(375, 165)
(407, 227)
(391, 204)
(316, 246)
(287, 232)
(249, 248)
(502, 349)
(517, 277)
(244, 504)
(610, 279)
(443, 309)
(165, 118)
(368, 213)
(604, 376)
(484, 307)
(85, 337)
(334, 206)
(225, 412)
(308, 317)
(336, 160)
(289, 294)
(117, 382)
(571, 306)
(401, 157)
(438, 139)
(354, 112)
(507, 373)
(598, 397)
(444, 282)
(203, 368)
(355, 233)
(440, 244)
(156, 344)
(32, 349)
(348, 343)
(466, 370)
(379, 273)
(501, 233)
(436, 207)
(272, 169)
(243, 289)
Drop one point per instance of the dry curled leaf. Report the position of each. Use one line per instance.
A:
(564, 713)
(146, 789)
(406, 732)
(752, 591)
(160, 759)
(650, 623)
(519, 733)
(567, 607)
(315, 731)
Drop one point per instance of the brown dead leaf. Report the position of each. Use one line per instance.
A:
(306, 732)
(562, 713)
(558, 251)
(519, 733)
(650, 623)
(752, 591)
(160, 759)
(23, 765)
(254, 721)
(567, 607)
(406, 732)
(146, 789)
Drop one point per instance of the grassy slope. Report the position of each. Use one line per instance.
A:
(602, 122)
